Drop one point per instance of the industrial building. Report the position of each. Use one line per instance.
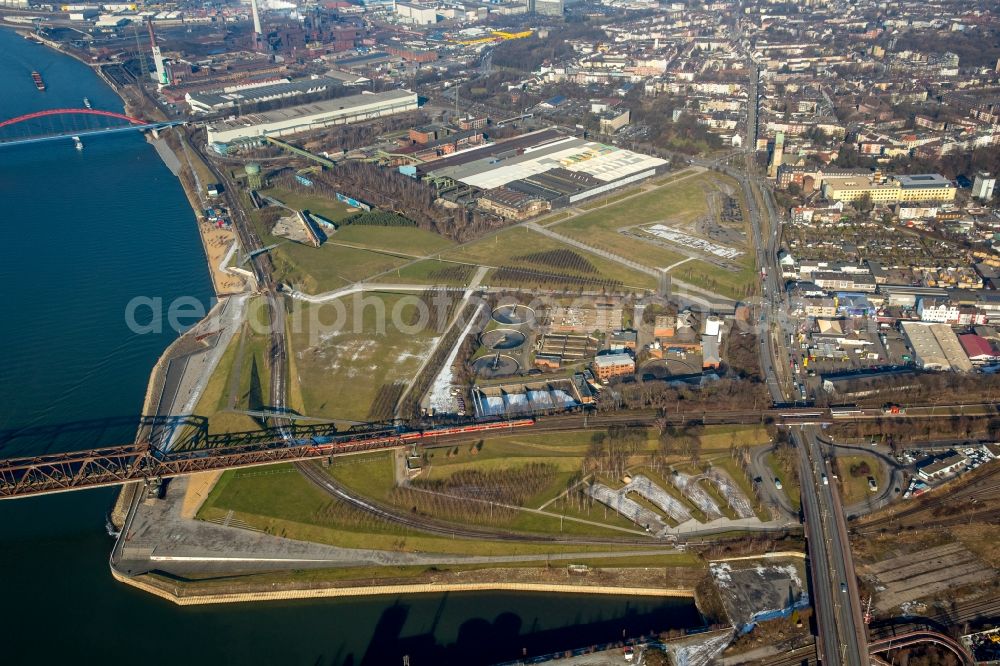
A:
(602, 317)
(530, 397)
(941, 466)
(230, 97)
(512, 205)
(547, 164)
(316, 115)
(978, 349)
(417, 14)
(936, 347)
(613, 365)
(547, 7)
(613, 120)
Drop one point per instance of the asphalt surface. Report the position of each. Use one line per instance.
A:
(842, 633)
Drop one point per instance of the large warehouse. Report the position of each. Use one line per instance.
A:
(219, 100)
(294, 119)
(936, 347)
(547, 164)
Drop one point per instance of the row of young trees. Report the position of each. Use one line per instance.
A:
(510, 485)
(384, 405)
(560, 260)
(512, 275)
(378, 218)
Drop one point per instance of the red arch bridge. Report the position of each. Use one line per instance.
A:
(52, 124)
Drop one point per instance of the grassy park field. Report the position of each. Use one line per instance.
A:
(528, 483)
(677, 201)
(513, 246)
(853, 478)
(352, 253)
(351, 357)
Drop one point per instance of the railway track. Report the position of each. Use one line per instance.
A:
(797, 657)
(431, 526)
(978, 609)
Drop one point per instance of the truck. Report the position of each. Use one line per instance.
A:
(826, 481)
(893, 409)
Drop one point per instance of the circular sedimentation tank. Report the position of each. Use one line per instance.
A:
(494, 365)
(502, 339)
(514, 315)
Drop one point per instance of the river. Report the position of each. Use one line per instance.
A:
(84, 233)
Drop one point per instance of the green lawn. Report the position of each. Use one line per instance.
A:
(736, 284)
(506, 247)
(346, 351)
(406, 240)
(243, 373)
(854, 489)
(789, 479)
(316, 270)
(724, 437)
(610, 199)
(372, 476)
(280, 501)
(679, 202)
(432, 272)
(214, 401)
(331, 209)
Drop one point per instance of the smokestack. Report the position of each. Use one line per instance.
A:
(256, 17)
(160, 76)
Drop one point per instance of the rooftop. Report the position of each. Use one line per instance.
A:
(314, 108)
(930, 180)
(611, 360)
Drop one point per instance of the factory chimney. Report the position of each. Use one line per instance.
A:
(161, 71)
(256, 17)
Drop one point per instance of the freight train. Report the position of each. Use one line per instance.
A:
(323, 445)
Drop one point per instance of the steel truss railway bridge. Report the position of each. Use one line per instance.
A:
(198, 451)
(54, 124)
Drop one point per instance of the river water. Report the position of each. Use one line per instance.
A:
(84, 232)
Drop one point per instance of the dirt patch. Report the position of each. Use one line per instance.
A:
(926, 573)
(217, 243)
(759, 591)
(198, 487)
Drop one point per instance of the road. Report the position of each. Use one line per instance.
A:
(842, 635)
(894, 477)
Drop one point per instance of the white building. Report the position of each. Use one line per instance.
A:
(316, 115)
(411, 12)
(218, 100)
(982, 187)
(936, 468)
